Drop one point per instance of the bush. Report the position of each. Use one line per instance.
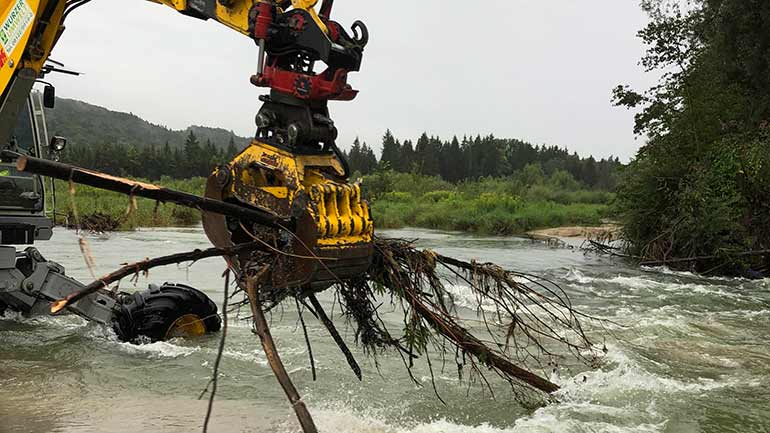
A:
(711, 206)
(489, 205)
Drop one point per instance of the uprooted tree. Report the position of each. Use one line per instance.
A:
(529, 322)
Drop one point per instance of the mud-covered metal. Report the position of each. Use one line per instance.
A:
(333, 234)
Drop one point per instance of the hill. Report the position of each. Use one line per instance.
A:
(89, 125)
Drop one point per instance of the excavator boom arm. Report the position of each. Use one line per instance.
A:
(29, 29)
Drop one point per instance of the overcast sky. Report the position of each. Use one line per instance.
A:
(541, 71)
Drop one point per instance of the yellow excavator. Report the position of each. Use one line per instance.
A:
(292, 169)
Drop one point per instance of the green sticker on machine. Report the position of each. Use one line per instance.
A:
(15, 25)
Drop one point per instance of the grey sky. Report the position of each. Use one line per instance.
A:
(541, 71)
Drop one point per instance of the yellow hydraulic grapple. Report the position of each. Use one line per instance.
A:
(332, 220)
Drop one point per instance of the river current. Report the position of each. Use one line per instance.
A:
(685, 354)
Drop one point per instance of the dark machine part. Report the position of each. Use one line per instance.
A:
(165, 312)
(23, 196)
(294, 124)
(295, 115)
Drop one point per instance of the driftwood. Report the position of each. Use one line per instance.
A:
(97, 222)
(704, 265)
(145, 265)
(525, 318)
(703, 258)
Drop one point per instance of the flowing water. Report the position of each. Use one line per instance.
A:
(686, 354)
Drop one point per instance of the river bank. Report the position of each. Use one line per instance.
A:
(604, 231)
(501, 206)
(489, 206)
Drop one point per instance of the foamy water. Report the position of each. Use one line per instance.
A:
(685, 353)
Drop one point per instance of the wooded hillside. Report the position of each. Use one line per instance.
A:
(87, 125)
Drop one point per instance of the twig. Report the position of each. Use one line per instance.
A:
(321, 314)
(85, 248)
(307, 340)
(215, 378)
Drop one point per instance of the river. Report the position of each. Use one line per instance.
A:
(686, 354)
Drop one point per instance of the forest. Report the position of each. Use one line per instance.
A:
(126, 145)
(479, 157)
(452, 161)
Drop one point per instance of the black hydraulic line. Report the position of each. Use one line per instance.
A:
(72, 6)
(343, 160)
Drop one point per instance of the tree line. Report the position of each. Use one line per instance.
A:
(474, 158)
(193, 159)
(453, 161)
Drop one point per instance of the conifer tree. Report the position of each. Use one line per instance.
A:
(192, 153)
(231, 150)
(368, 159)
(355, 156)
(390, 150)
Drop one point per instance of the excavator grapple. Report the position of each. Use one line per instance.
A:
(333, 223)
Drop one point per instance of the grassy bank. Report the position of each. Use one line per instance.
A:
(503, 206)
(89, 201)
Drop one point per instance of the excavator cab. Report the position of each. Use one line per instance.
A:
(24, 212)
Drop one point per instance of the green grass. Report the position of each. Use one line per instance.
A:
(88, 201)
(478, 216)
(502, 206)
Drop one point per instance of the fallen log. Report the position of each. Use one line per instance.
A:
(704, 258)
